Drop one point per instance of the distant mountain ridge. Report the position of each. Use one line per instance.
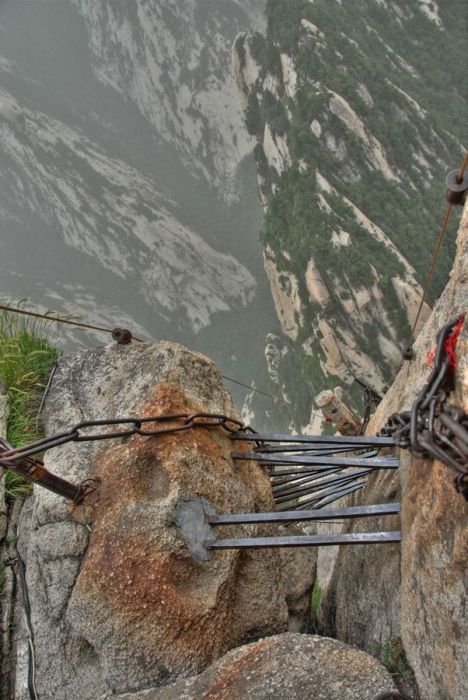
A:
(357, 121)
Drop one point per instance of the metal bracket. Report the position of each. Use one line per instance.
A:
(286, 516)
(457, 187)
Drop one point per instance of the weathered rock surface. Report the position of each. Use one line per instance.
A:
(365, 602)
(361, 604)
(285, 293)
(6, 574)
(434, 579)
(434, 519)
(284, 666)
(299, 566)
(118, 601)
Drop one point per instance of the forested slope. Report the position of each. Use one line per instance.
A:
(358, 113)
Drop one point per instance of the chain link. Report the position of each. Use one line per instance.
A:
(83, 432)
(20, 459)
(432, 427)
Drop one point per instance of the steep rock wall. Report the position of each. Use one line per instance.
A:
(107, 209)
(123, 151)
(173, 67)
(417, 591)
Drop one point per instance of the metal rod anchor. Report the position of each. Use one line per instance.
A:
(295, 516)
(33, 470)
(307, 540)
(329, 461)
(333, 493)
(328, 440)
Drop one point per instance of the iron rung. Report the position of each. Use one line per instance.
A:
(294, 516)
(307, 540)
(339, 440)
(329, 461)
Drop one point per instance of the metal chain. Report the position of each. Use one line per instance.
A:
(83, 432)
(20, 459)
(371, 397)
(432, 427)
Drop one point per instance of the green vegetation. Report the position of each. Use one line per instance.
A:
(293, 222)
(374, 60)
(85, 649)
(410, 219)
(26, 357)
(284, 22)
(391, 654)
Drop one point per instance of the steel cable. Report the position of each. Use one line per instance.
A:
(436, 252)
(88, 326)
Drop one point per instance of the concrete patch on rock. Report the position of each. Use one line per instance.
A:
(190, 518)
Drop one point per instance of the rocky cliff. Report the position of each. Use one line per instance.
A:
(172, 64)
(417, 592)
(352, 151)
(107, 209)
(125, 571)
(124, 151)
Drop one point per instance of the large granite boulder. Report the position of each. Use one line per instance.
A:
(289, 666)
(121, 597)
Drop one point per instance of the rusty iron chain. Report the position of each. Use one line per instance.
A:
(83, 432)
(371, 398)
(434, 428)
(21, 461)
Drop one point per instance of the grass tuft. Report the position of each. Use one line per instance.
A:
(26, 358)
(391, 654)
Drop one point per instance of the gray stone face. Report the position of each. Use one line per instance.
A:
(122, 593)
(361, 604)
(299, 566)
(289, 666)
